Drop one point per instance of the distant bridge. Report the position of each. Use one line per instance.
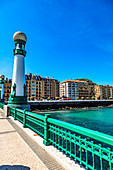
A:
(54, 104)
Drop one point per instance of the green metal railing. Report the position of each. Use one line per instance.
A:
(90, 148)
(30, 120)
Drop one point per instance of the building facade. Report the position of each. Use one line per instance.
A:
(38, 87)
(7, 88)
(77, 89)
(103, 92)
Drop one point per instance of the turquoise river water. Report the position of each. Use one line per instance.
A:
(99, 119)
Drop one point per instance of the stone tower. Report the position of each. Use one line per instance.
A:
(18, 94)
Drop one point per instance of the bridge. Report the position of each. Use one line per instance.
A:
(89, 148)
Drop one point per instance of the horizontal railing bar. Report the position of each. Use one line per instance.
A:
(34, 129)
(104, 138)
(35, 115)
(19, 114)
(35, 122)
(19, 110)
(30, 113)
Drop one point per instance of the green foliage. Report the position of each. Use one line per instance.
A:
(77, 98)
(93, 97)
(85, 79)
(31, 98)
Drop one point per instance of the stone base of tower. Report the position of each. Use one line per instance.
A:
(1, 100)
(17, 100)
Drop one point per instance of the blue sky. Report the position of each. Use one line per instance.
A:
(66, 38)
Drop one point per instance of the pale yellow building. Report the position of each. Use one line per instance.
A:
(103, 92)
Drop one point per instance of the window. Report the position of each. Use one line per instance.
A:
(23, 46)
(17, 46)
(33, 85)
(33, 94)
(33, 81)
(33, 91)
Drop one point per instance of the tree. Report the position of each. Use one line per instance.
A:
(87, 98)
(93, 97)
(31, 98)
(82, 98)
(77, 98)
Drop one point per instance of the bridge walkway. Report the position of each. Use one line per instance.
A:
(19, 151)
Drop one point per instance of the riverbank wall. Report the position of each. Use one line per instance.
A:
(42, 105)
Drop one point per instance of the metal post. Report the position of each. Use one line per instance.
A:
(46, 131)
(24, 118)
(15, 114)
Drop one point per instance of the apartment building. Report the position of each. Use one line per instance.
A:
(77, 89)
(7, 88)
(103, 92)
(38, 87)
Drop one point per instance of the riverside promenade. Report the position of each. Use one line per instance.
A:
(19, 152)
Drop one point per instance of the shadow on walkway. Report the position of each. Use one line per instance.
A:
(4, 118)
(7, 132)
(14, 167)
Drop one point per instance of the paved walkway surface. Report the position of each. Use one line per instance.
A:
(19, 152)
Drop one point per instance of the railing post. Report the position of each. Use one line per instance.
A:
(46, 131)
(24, 118)
(15, 114)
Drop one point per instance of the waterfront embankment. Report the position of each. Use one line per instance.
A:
(42, 105)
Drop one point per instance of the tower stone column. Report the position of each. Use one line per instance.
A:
(18, 94)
